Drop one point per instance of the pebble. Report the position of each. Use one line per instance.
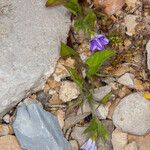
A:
(99, 93)
(119, 140)
(102, 112)
(9, 142)
(68, 91)
(77, 134)
(74, 145)
(131, 146)
(130, 23)
(61, 117)
(123, 92)
(5, 129)
(132, 114)
(148, 54)
(143, 142)
(85, 108)
(127, 79)
(6, 118)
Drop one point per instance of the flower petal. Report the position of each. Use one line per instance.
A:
(93, 45)
(104, 41)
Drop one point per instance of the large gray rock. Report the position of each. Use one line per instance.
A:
(37, 129)
(132, 115)
(148, 54)
(30, 36)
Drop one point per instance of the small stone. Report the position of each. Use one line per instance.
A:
(127, 79)
(143, 142)
(61, 117)
(127, 42)
(148, 54)
(85, 108)
(60, 71)
(139, 85)
(68, 91)
(110, 6)
(99, 93)
(72, 120)
(77, 134)
(5, 129)
(55, 100)
(74, 145)
(6, 118)
(124, 91)
(132, 3)
(9, 142)
(119, 140)
(131, 146)
(130, 23)
(102, 112)
(132, 114)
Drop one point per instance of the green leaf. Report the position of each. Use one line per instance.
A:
(66, 50)
(75, 77)
(96, 60)
(106, 98)
(89, 20)
(95, 129)
(74, 7)
(54, 2)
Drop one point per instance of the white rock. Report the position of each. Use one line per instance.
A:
(148, 54)
(132, 115)
(130, 23)
(99, 93)
(127, 79)
(6, 118)
(102, 112)
(119, 140)
(131, 146)
(68, 91)
(74, 145)
(30, 36)
(85, 108)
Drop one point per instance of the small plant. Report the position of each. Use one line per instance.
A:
(84, 20)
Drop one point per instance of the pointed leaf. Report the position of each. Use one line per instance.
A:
(66, 50)
(96, 60)
(54, 2)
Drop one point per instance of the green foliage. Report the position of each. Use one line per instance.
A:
(115, 38)
(96, 129)
(75, 76)
(54, 2)
(106, 98)
(96, 60)
(66, 50)
(86, 23)
(74, 7)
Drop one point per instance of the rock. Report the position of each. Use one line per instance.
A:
(110, 6)
(38, 129)
(68, 91)
(60, 71)
(148, 54)
(6, 118)
(55, 100)
(127, 79)
(119, 140)
(9, 142)
(131, 3)
(77, 134)
(85, 108)
(130, 23)
(102, 112)
(131, 146)
(61, 117)
(5, 129)
(74, 145)
(132, 115)
(99, 93)
(29, 45)
(143, 142)
(123, 92)
(72, 120)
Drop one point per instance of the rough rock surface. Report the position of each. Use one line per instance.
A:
(132, 115)
(148, 54)
(30, 36)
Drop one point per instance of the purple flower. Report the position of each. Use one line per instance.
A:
(98, 42)
(89, 145)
